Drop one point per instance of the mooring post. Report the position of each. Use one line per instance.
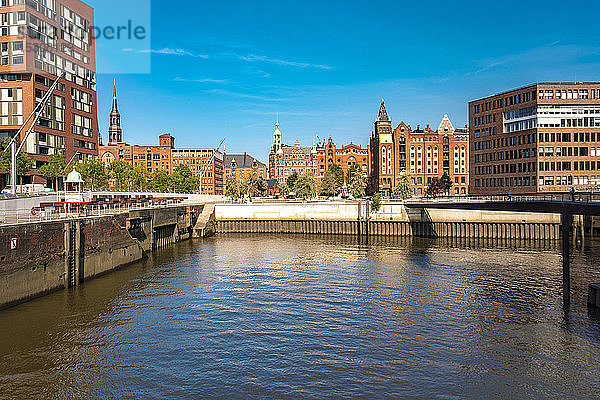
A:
(67, 246)
(77, 253)
(566, 222)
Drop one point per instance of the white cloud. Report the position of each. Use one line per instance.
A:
(202, 80)
(285, 63)
(170, 52)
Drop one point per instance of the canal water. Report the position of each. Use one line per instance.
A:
(295, 317)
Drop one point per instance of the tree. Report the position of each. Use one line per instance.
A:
(159, 181)
(372, 186)
(283, 189)
(357, 183)
(446, 182)
(306, 186)
(24, 162)
(376, 202)
(232, 188)
(332, 181)
(257, 186)
(435, 187)
(54, 168)
(183, 180)
(93, 172)
(291, 180)
(120, 173)
(404, 188)
(140, 178)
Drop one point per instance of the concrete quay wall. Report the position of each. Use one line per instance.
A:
(39, 258)
(392, 220)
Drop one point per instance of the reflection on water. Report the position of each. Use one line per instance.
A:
(313, 317)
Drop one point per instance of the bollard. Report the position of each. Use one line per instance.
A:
(594, 295)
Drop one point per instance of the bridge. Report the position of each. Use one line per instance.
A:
(566, 208)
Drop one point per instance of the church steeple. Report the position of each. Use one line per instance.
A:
(114, 131)
(276, 148)
(383, 116)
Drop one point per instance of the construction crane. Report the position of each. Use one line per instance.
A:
(207, 164)
(35, 114)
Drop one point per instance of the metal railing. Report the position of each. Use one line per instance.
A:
(32, 215)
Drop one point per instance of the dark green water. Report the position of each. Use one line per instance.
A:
(293, 317)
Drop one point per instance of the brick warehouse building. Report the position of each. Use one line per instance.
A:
(284, 160)
(536, 139)
(39, 40)
(243, 167)
(422, 153)
(207, 164)
(345, 156)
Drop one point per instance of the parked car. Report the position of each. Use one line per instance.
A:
(29, 189)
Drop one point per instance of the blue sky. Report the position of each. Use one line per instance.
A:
(210, 70)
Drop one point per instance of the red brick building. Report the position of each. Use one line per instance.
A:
(424, 154)
(345, 156)
(41, 40)
(152, 158)
(285, 160)
(243, 167)
(536, 139)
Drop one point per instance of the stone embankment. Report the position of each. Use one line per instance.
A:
(393, 219)
(42, 257)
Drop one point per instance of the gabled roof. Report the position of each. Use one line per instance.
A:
(403, 125)
(241, 160)
(445, 126)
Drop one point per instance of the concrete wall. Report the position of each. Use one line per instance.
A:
(54, 255)
(348, 211)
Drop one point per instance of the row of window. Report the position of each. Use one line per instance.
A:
(504, 102)
(505, 155)
(569, 180)
(569, 151)
(567, 166)
(567, 94)
(517, 181)
(505, 169)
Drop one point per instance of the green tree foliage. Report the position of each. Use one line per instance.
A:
(120, 172)
(376, 202)
(159, 181)
(404, 187)
(333, 180)
(446, 182)
(24, 162)
(435, 187)
(306, 186)
(93, 172)
(291, 180)
(139, 179)
(257, 186)
(183, 180)
(283, 189)
(54, 168)
(357, 183)
(232, 188)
